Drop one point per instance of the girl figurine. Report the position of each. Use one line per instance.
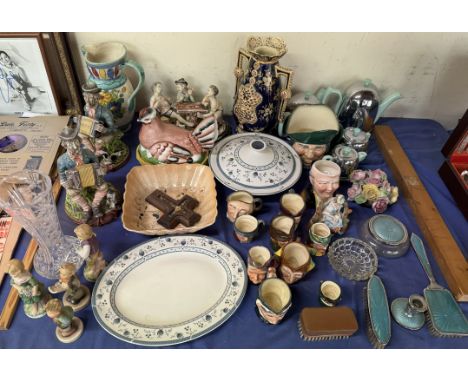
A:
(76, 295)
(335, 214)
(69, 328)
(95, 262)
(33, 293)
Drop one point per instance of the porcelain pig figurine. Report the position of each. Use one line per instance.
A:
(163, 142)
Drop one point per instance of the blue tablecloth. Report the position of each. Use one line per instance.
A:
(422, 140)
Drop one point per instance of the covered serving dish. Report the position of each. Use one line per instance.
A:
(258, 163)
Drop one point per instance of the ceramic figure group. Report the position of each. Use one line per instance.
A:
(89, 198)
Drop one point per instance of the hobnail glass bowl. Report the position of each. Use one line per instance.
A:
(352, 258)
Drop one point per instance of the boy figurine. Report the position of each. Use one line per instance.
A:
(76, 295)
(215, 108)
(69, 328)
(33, 293)
(90, 251)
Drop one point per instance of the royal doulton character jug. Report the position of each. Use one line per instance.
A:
(106, 63)
(263, 87)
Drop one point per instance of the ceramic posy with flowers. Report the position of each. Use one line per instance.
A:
(372, 188)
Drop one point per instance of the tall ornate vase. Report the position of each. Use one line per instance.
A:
(27, 197)
(263, 87)
(106, 63)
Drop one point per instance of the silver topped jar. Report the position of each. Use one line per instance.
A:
(356, 138)
(386, 234)
(347, 158)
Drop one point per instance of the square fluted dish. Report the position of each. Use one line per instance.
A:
(176, 180)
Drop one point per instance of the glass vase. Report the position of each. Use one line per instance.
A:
(27, 197)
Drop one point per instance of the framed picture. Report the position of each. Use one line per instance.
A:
(36, 75)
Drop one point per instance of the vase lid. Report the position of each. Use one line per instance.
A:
(258, 163)
(388, 229)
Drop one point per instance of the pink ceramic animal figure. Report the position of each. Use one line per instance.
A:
(169, 143)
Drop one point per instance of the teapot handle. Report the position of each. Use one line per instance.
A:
(361, 156)
(141, 78)
(324, 94)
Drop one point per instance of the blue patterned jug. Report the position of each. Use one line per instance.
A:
(106, 63)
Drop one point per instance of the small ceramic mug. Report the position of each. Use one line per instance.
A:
(282, 231)
(330, 293)
(241, 203)
(295, 262)
(258, 262)
(292, 204)
(274, 300)
(247, 227)
(320, 236)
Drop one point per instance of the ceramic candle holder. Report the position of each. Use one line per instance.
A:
(282, 231)
(292, 204)
(295, 262)
(241, 203)
(247, 228)
(330, 293)
(274, 300)
(258, 262)
(320, 236)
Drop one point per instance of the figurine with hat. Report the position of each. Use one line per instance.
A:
(76, 295)
(89, 198)
(98, 131)
(184, 92)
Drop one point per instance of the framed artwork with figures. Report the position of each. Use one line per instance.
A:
(26, 84)
(37, 74)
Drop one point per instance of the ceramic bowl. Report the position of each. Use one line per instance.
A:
(176, 180)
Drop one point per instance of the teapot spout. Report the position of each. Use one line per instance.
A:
(386, 103)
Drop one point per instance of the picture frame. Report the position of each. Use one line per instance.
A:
(37, 75)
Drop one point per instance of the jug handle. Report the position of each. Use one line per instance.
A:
(141, 78)
(386, 103)
(286, 92)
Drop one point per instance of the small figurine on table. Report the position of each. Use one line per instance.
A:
(90, 251)
(163, 105)
(215, 108)
(76, 295)
(98, 123)
(184, 92)
(82, 176)
(33, 293)
(69, 328)
(335, 214)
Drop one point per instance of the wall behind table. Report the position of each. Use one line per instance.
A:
(429, 69)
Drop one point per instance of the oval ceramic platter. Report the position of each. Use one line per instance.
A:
(169, 290)
(258, 163)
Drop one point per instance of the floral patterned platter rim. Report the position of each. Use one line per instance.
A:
(126, 329)
(235, 170)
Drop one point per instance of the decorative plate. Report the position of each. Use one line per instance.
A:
(258, 163)
(169, 290)
(352, 259)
